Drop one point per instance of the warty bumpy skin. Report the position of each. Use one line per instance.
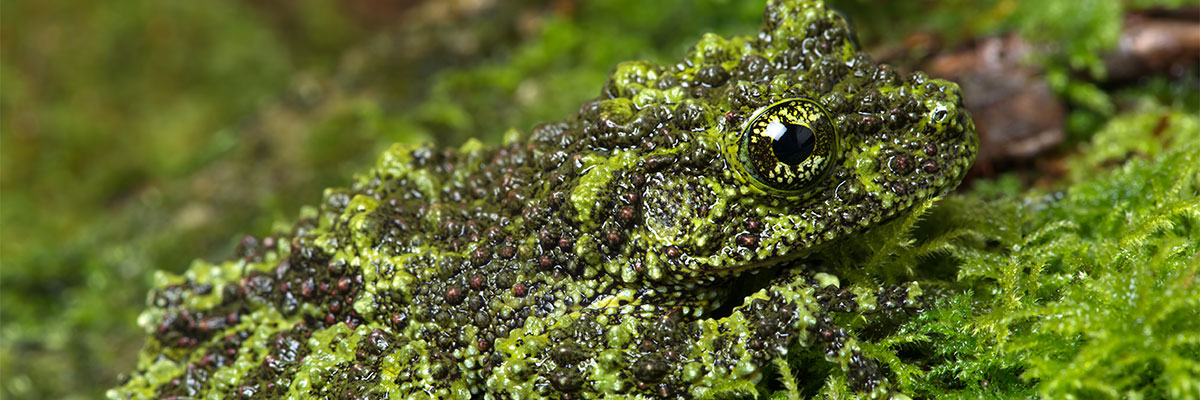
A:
(589, 258)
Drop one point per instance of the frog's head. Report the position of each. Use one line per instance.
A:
(758, 150)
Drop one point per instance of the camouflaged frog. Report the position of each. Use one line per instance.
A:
(595, 257)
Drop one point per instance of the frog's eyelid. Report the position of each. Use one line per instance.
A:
(755, 114)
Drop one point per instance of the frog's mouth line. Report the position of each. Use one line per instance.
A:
(743, 280)
(767, 264)
(743, 285)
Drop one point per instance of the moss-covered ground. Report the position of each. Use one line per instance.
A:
(137, 136)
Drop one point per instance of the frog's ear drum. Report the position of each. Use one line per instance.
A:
(787, 146)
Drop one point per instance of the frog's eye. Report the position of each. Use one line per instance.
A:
(788, 146)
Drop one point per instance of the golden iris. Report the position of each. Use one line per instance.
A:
(788, 146)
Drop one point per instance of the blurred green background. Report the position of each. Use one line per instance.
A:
(137, 136)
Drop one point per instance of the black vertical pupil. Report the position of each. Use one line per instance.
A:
(795, 145)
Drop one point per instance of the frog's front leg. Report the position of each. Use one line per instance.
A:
(649, 351)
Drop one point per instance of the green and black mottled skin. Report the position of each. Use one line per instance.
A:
(585, 259)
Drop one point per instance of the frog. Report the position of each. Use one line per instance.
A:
(655, 243)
